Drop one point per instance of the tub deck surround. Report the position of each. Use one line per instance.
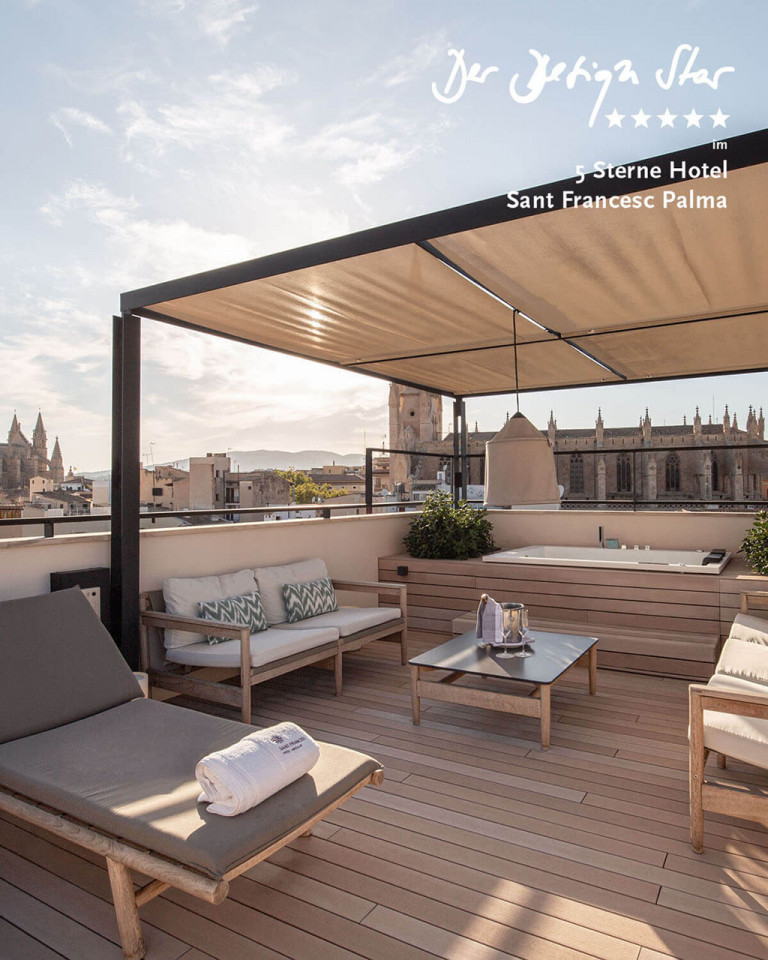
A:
(659, 622)
(634, 558)
(477, 845)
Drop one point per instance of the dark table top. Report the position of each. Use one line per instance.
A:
(552, 653)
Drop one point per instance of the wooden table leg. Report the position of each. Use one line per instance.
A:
(415, 705)
(593, 670)
(544, 693)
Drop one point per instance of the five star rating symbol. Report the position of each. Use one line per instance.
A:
(693, 118)
(666, 119)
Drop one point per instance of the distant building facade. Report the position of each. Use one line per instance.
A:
(21, 459)
(631, 467)
(601, 463)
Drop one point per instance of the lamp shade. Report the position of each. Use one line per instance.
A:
(520, 467)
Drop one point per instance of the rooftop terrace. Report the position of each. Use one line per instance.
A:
(477, 846)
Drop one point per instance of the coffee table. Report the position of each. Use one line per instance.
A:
(553, 655)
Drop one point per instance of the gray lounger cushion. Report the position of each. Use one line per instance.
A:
(130, 772)
(59, 664)
(347, 620)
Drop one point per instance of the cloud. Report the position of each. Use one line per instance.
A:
(226, 116)
(366, 147)
(408, 66)
(141, 251)
(46, 366)
(219, 20)
(105, 206)
(251, 397)
(64, 118)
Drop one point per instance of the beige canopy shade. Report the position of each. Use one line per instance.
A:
(605, 295)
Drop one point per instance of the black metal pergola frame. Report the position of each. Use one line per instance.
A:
(743, 151)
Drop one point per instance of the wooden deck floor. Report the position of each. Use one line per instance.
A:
(477, 846)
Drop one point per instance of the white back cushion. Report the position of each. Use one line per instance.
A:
(182, 595)
(270, 581)
(744, 659)
(747, 627)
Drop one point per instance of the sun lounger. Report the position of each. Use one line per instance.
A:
(85, 756)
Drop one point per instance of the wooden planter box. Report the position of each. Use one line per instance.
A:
(663, 623)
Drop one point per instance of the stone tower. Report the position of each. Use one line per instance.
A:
(57, 464)
(40, 441)
(415, 418)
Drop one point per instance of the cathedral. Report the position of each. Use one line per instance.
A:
(598, 463)
(21, 460)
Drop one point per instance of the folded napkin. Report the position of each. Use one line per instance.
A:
(241, 776)
(489, 621)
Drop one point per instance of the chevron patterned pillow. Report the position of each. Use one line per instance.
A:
(247, 610)
(305, 600)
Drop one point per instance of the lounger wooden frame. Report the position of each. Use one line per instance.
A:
(199, 684)
(731, 799)
(122, 857)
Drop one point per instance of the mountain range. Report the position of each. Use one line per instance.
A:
(247, 460)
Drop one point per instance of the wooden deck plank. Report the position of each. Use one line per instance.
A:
(17, 944)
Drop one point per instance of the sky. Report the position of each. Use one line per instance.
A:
(150, 139)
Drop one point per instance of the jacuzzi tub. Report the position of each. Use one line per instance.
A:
(680, 561)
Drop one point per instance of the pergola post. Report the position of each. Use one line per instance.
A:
(124, 546)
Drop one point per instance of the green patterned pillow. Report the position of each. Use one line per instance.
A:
(305, 600)
(247, 610)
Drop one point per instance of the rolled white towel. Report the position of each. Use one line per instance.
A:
(239, 777)
(489, 620)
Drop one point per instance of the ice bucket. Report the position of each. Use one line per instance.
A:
(512, 621)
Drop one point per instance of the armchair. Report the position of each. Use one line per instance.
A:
(729, 716)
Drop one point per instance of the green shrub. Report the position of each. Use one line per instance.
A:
(443, 531)
(754, 546)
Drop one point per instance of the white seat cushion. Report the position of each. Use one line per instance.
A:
(270, 581)
(182, 595)
(347, 620)
(266, 647)
(744, 738)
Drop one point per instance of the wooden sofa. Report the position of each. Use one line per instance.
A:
(197, 669)
(85, 756)
(729, 717)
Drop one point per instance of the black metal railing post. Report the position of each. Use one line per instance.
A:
(369, 479)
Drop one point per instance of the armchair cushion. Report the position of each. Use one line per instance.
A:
(270, 581)
(346, 620)
(310, 599)
(183, 594)
(745, 659)
(744, 738)
(747, 627)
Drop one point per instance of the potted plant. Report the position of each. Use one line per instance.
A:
(754, 546)
(448, 531)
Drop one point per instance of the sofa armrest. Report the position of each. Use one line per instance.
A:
(369, 586)
(232, 631)
(396, 591)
